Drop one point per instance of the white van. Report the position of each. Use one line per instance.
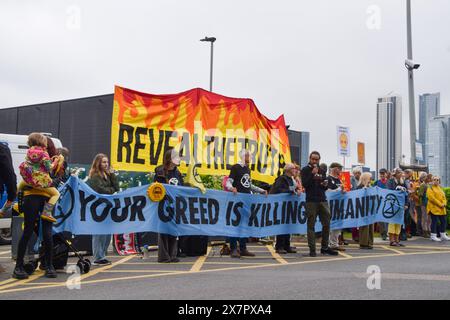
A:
(18, 146)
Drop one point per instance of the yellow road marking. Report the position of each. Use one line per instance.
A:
(8, 281)
(221, 270)
(394, 250)
(269, 257)
(101, 269)
(345, 255)
(200, 261)
(233, 263)
(276, 255)
(140, 271)
(36, 275)
(154, 263)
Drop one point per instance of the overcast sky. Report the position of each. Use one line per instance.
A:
(322, 63)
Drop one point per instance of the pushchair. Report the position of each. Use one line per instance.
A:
(61, 248)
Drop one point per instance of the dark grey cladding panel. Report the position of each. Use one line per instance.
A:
(39, 118)
(8, 120)
(86, 127)
(294, 137)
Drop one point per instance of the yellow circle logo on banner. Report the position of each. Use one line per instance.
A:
(343, 139)
(156, 192)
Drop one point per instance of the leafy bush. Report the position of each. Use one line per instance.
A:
(212, 182)
(447, 194)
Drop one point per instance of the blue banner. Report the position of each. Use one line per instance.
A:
(186, 211)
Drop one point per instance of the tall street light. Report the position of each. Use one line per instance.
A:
(410, 66)
(212, 40)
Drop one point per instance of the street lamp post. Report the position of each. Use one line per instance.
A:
(410, 65)
(212, 40)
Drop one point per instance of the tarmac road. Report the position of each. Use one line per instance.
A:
(419, 271)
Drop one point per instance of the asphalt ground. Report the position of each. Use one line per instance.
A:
(421, 270)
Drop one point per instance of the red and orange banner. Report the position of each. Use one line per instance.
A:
(205, 128)
(346, 182)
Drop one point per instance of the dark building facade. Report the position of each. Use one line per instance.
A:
(84, 126)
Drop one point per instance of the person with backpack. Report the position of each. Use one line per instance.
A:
(285, 184)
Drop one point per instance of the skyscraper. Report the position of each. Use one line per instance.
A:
(429, 107)
(438, 142)
(389, 132)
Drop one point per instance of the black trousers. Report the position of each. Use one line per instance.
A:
(32, 207)
(283, 242)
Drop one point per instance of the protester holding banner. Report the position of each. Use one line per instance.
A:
(168, 173)
(421, 207)
(285, 184)
(365, 232)
(354, 180)
(335, 184)
(357, 172)
(298, 179)
(409, 222)
(315, 184)
(239, 180)
(397, 183)
(102, 180)
(382, 183)
(62, 175)
(436, 208)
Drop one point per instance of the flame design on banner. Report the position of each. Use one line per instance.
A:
(206, 121)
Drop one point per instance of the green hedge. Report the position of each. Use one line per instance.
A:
(447, 194)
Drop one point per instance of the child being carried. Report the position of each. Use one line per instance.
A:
(36, 169)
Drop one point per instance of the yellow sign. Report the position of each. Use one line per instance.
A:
(343, 141)
(156, 192)
(361, 153)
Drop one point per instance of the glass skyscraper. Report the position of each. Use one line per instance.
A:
(438, 142)
(429, 107)
(389, 132)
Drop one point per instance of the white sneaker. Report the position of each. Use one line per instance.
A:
(444, 237)
(435, 238)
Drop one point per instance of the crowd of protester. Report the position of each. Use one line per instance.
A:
(45, 169)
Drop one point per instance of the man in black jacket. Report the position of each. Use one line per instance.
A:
(7, 177)
(315, 183)
(8, 180)
(284, 184)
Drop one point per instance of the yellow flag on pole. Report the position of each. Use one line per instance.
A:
(193, 178)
